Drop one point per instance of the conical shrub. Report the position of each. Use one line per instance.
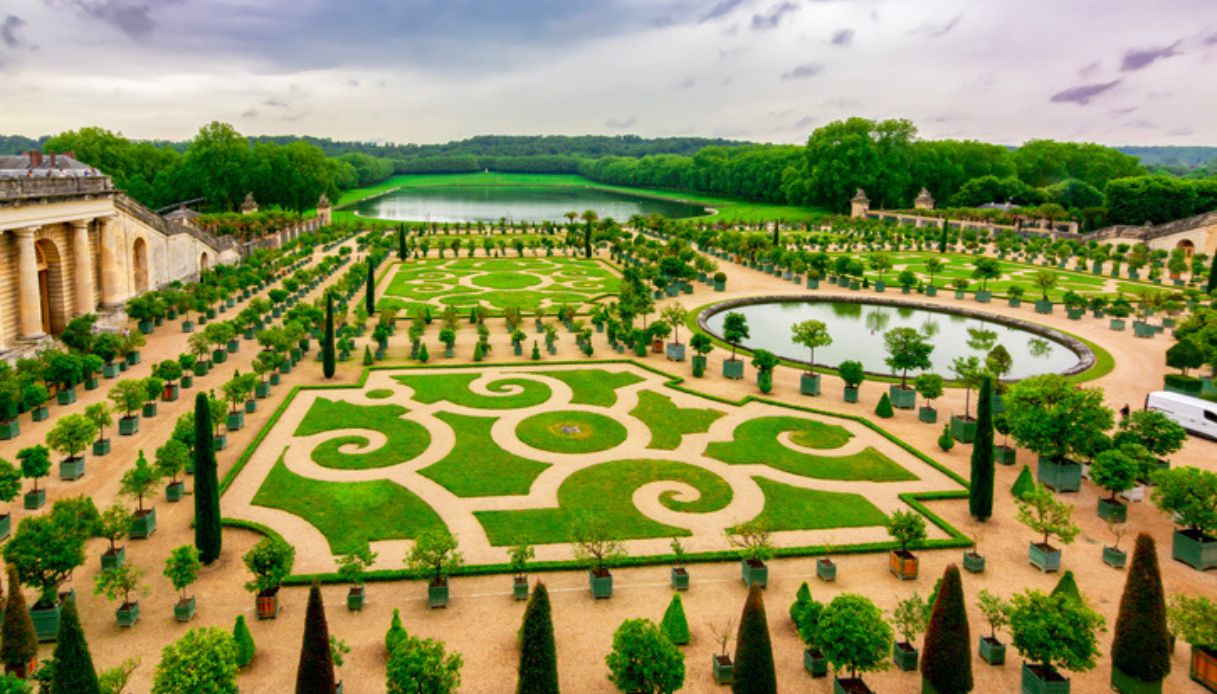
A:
(74, 670)
(674, 624)
(1068, 585)
(396, 633)
(1025, 484)
(884, 408)
(315, 672)
(245, 642)
(20, 641)
(754, 671)
(947, 662)
(1141, 648)
(538, 672)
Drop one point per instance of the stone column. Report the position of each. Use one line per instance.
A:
(30, 297)
(83, 266)
(110, 276)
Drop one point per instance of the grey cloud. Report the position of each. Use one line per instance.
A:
(1211, 40)
(771, 20)
(1083, 93)
(275, 103)
(803, 71)
(132, 18)
(621, 123)
(843, 37)
(840, 103)
(250, 113)
(1123, 111)
(352, 83)
(1139, 59)
(1089, 70)
(937, 30)
(1141, 123)
(8, 30)
(722, 9)
(730, 53)
(1180, 131)
(803, 123)
(686, 83)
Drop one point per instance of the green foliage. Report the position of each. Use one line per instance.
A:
(421, 665)
(1190, 495)
(1067, 584)
(74, 670)
(128, 395)
(45, 550)
(10, 481)
(911, 617)
(406, 439)
(139, 480)
(315, 673)
(884, 408)
(754, 669)
(1039, 510)
(396, 633)
(538, 670)
(1024, 484)
(947, 661)
(945, 440)
(907, 528)
(644, 660)
(1114, 470)
(854, 635)
(434, 552)
(928, 385)
(851, 372)
(270, 561)
(1141, 647)
(1158, 433)
(907, 349)
(204, 661)
(1055, 630)
(182, 568)
(674, 624)
(1054, 417)
(244, 641)
(1194, 619)
(327, 340)
(980, 491)
(19, 642)
(71, 434)
(207, 534)
(735, 330)
(114, 680)
(805, 612)
(1184, 355)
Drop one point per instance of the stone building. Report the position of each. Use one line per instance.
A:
(70, 244)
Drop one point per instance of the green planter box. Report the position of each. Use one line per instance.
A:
(928, 415)
(275, 378)
(67, 396)
(851, 394)
(128, 426)
(826, 570)
(1115, 557)
(931, 291)
(675, 352)
(437, 594)
(963, 430)
(1113, 510)
(1195, 549)
(149, 409)
(601, 583)
(754, 572)
(6, 526)
(904, 656)
(680, 578)
(902, 398)
(973, 562)
(132, 358)
(187, 326)
(1060, 476)
(733, 369)
(1014, 303)
(113, 559)
(1036, 680)
(219, 356)
(46, 622)
(850, 685)
(724, 669)
(251, 406)
(220, 441)
(40, 414)
(992, 651)
(235, 421)
(72, 468)
(1075, 313)
(201, 368)
(519, 587)
(1044, 307)
(233, 346)
(985, 296)
(809, 384)
(1127, 684)
(815, 663)
(1144, 330)
(143, 524)
(170, 393)
(262, 390)
(32, 501)
(1045, 557)
(1005, 455)
(174, 491)
(109, 370)
(355, 598)
(127, 615)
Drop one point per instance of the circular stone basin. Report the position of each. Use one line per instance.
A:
(571, 432)
(857, 329)
(505, 280)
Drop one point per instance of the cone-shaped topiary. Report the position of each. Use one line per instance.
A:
(327, 341)
(754, 672)
(884, 408)
(801, 596)
(371, 298)
(674, 623)
(245, 642)
(401, 242)
(1141, 648)
(538, 672)
(74, 670)
(20, 641)
(315, 672)
(980, 493)
(946, 664)
(478, 352)
(1068, 585)
(423, 354)
(945, 441)
(207, 537)
(396, 633)
(1025, 484)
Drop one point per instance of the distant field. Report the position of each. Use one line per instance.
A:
(727, 209)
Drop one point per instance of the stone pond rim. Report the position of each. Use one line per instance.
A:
(1086, 357)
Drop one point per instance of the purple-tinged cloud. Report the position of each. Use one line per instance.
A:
(771, 20)
(621, 123)
(938, 30)
(8, 30)
(1089, 70)
(1083, 93)
(132, 18)
(804, 71)
(722, 9)
(844, 37)
(1211, 40)
(1139, 59)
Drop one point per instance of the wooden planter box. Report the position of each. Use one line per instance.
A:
(174, 491)
(902, 398)
(127, 615)
(1005, 455)
(850, 685)
(72, 468)
(992, 651)
(680, 578)
(170, 392)
(66, 396)
(143, 524)
(903, 564)
(826, 570)
(1115, 558)
(149, 410)
(601, 582)
(267, 604)
(1113, 510)
(724, 669)
(676, 352)
(963, 430)
(34, 500)
(904, 655)
(927, 415)
(355, 598)
(733, 369)
(1195, 549)
(184, 609)
(1045, 557)
(851, 394)
(973, 562)
(128, 426)
(1059, 476)
(1203, 667)
(754, 572)
(1037, 679)
(809, 384)
(519, 587)
(815, 663)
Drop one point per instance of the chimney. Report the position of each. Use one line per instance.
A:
(52, 153)
(35, 158)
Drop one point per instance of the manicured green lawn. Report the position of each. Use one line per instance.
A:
(406, 439)
(454, 388)
(380, 393)
(794, 508)
(606, 492)
(349, 514)
(477, 466)
(755, 443)
(669, 423)
(571, 431)
(595, 386)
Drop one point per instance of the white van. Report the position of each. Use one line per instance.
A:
(1197, 416)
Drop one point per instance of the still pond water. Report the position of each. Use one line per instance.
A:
(515, 203)
(857, 332)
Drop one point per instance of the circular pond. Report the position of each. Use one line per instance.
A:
(489, 204)
(857, 329)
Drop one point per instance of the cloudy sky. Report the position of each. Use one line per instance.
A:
(1111, 71)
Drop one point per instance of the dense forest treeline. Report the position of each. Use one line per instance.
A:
(1091, 183)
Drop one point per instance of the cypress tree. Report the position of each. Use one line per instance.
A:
(674, 624)
(367, 355)
(942, 240)
(1141, 648)
(538, 657)
(371, 300)
(327, 344)
(1212, 283)
(401, 242)
(980, 497)
(754, 672)
(587, 239)
(946, 664)
(245, 642)
(74, 670)
(207, 538)
(316, 670)
(20, 643)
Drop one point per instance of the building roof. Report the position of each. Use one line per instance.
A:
(182, 213)
(43, 164)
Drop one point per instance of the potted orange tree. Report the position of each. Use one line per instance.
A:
(756, 546)
(138, 482)
(434, 555)
(1053, 632)
(597, 546)
(1194, 619)
(182, 570)
(1039, 510)
(1190, 495)
(997, 612)
(351, 568)
(521, 553)
(855, 640)
(907, 528)
(270, 561)
(118, 584)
